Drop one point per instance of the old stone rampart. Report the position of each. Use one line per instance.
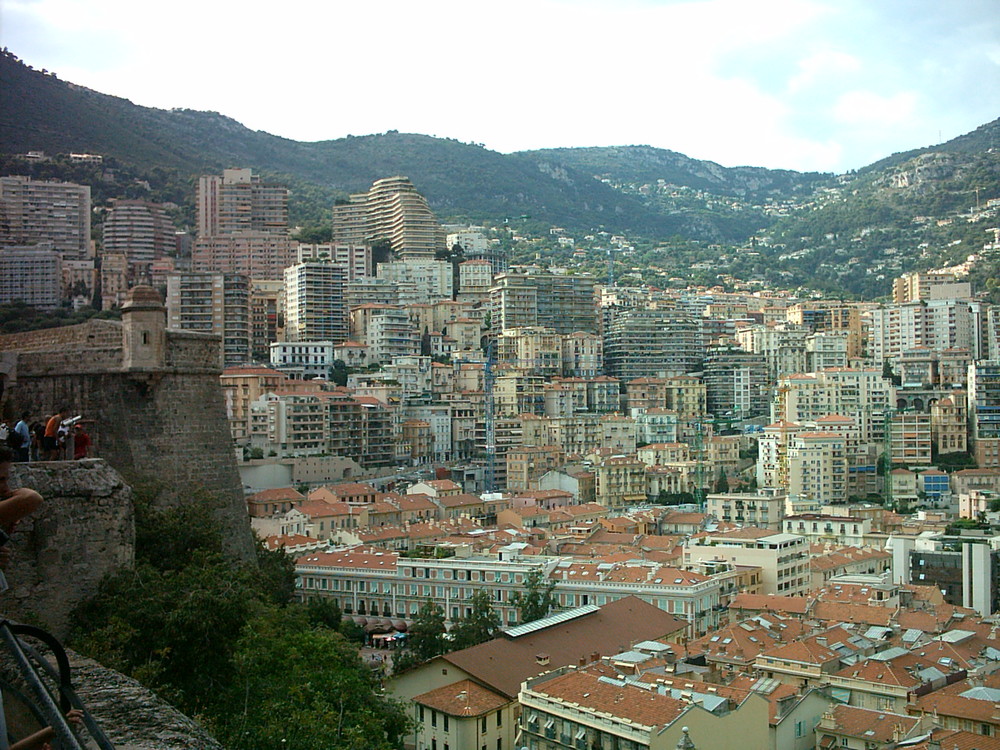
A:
(84, 530)
(151, 399)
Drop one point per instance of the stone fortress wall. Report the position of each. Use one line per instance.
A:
(84, 531)
(152, 399)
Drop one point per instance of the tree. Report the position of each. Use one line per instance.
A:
(221, 639)
(722, 483)
(298, 687)
(339, 372)
(537, 599)
(480, 625)
(324, 611)
(426, 638)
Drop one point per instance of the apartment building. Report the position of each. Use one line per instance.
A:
(583, 355)
(382, 583)
(241, 386)
(651, 343)
(736, 383)
(259, 255)
(140, 230)
(302, 423)
(966, 570)
(520, 299)
(782, 558)
(216, 303)
(936, 324)
(356, 260)
(984, 411)
(826, 350)
(620, 481)
(475, 277)
(392, 209)
(910, 438)
(266, 316)
(917, 285)
(314, 302)
(535, 350)
(782, 345)
(31, 274)
(34, 212)
(237, 202)
(527, 464)
(765, 509)
(818, 466)
(861, 394)
(581, 434)
(418, 279)
(303, 360)
(849, 531)
(390, 334)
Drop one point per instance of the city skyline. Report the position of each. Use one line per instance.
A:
(806, 85)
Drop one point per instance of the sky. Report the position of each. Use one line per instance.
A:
(824, 85)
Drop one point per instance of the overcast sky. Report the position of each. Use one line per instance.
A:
(825, 85)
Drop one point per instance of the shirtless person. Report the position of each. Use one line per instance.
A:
(14, 504)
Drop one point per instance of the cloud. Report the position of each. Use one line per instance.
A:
(821, 68)
(806, 84)
(875, 110)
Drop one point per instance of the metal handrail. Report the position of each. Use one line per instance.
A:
(69, 694)
(45, 703)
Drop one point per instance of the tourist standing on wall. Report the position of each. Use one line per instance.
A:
(50, 441)
(23, 451)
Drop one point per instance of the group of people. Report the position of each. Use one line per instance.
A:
(45, 440)
(15, 505)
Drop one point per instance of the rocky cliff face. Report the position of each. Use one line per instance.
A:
(84, 531)
(133, 717)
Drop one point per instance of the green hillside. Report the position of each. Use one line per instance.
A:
(645, 164)
(41, 112)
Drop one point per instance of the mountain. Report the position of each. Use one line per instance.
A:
(849, 233)
(41, 112)
(645, 164)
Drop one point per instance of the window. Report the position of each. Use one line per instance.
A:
(434, 718)
(500, 719)
(446, 722)
(484, 724)
(421, 713)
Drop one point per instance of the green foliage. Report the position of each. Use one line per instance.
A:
(480, 625)
(172, 629)
(339, 372)
(673, 498)
(537, 599)
(324, 611)
(17, 317)
(426, 637)
(299, 687)
(722, 483)
(967, 524)
(953, 461)
(315, 234)
(221, 639)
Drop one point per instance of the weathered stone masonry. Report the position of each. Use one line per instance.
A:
(154, 395)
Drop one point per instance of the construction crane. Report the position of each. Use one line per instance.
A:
(489, 377)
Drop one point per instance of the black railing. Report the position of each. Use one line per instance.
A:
(49, 687)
